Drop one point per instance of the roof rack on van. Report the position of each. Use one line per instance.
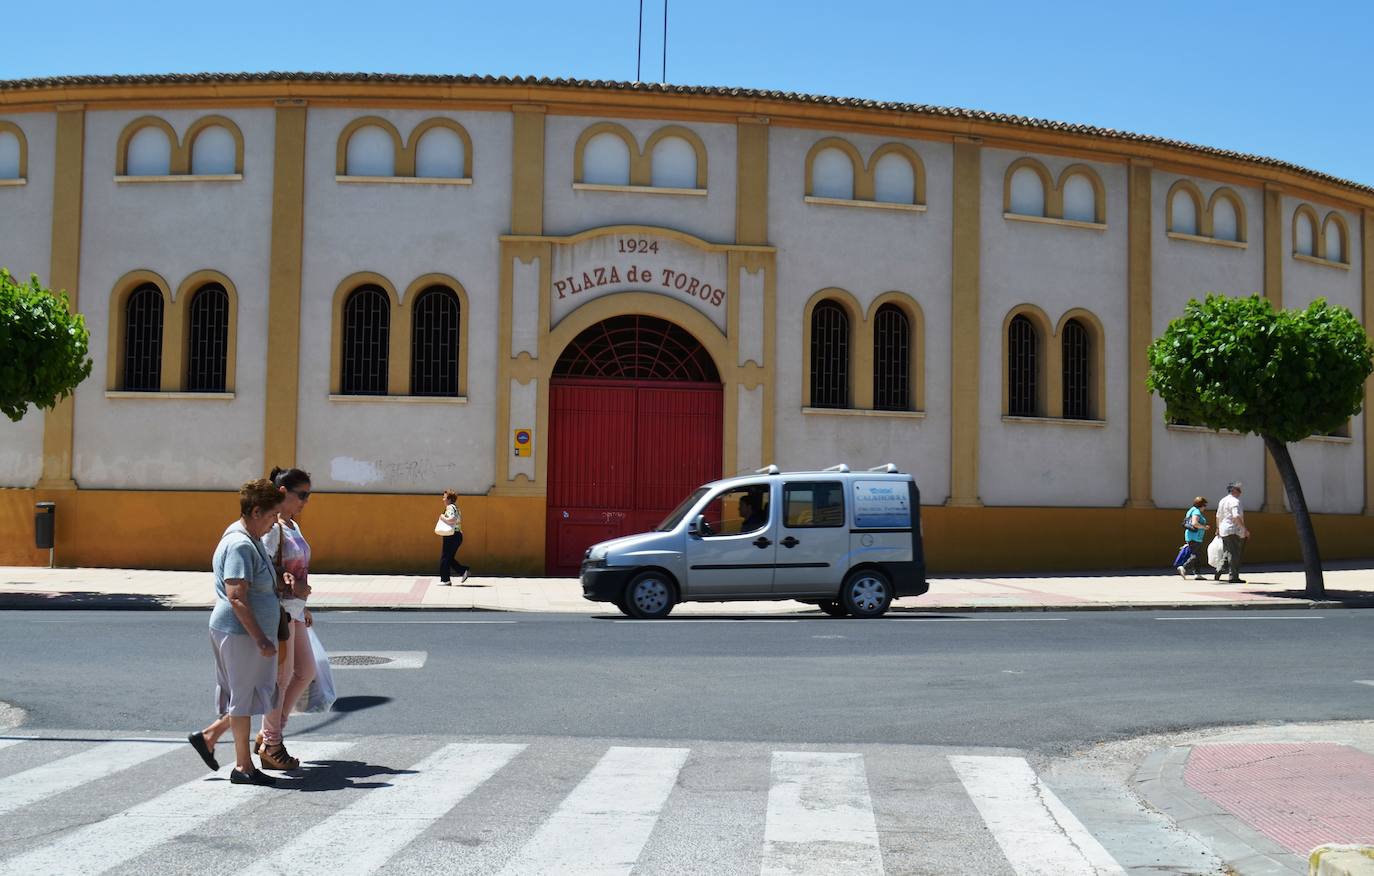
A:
(769, 470)
(841, 468)
(886, 468)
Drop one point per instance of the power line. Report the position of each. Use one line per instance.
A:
(639, 50)
(664, 78)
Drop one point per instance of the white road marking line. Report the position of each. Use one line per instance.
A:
(64, 774)
(104, 845)
(602, 825)
(395, 659)
(6, 743)
(976, 620)
(708, 621)
(359, 623)
(1037, 833)
(1256, 618)
(1370, 683)
(362, 837)
(820, 816)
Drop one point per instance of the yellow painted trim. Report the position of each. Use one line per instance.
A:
(687, 134)
(636, 174)
(400, 399)
(7, 127)
(856, 163)
(464, 317)
(20, 181)
(1367, 300)
(176, 165)
(1199, 209)
(1097, 338)
(1344, 255)
(1046, 183)
(871, 205)
(1305, 211)
(860, 359)
(655, 230)
(916, 319)
(1273, 291)
(406, 180)
(1048, 400)
(1208, 241)
(1055, 421)
(188, 141)
(751, 181)
(1099, 193)
(284, 286)
(172, 396)
(116, 319)
(1313, 260)
(398, 373)
(1227, 194)
(638, 190)
(527, 175)
(180, 178)
(185, 292)
(855, 412)
(398, 157)
(1049, 220)
(1140, 332)
(865, 175)
(965, 323)
(64, 274)
(413, 144)
(918, 174)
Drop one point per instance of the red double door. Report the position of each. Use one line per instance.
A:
(622, 454)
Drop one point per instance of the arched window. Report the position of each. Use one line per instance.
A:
(1080, 199)
(1027, 193)
(1334, 236)
(829, 355)
(832, 175)
(434, 342)
(606, 160)
(143, 340)
(1225, 220)
(440, 154)
(1077, 378)
(150, 153)
(207, 340)
(674, 164)
(1183, 213)
(891, 359)
(214, 151)
(11, 163)
(371, 152)
(366, 339)
(1305, 235)
(1022, 361)
(894, 180)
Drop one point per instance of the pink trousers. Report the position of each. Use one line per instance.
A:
(295, 671)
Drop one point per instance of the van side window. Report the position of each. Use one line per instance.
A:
(812, 504)
(738, 511)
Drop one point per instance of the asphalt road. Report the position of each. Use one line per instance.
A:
(1032, 681)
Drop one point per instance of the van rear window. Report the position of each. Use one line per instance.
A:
(882, 505)
(811, 504)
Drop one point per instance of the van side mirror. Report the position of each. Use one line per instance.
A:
(697, 526)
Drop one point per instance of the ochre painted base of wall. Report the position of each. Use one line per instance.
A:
(385, 533)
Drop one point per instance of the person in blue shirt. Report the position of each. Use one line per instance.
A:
(1195, 528)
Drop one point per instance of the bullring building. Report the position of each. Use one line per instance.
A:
(573, 302)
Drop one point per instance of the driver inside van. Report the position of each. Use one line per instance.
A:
(752, 512)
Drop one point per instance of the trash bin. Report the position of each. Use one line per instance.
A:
(45, 525)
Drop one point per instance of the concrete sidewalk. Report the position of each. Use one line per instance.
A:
(1348, 584)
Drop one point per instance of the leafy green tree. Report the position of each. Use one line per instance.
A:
(42, 347)
(1236, 363)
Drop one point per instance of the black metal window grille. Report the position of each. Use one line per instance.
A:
(434, 342)
(208, 341)
(1077, 377)
(366, 336)
(637, 348)
(1021, 364)
(143, 340)
(891, 359)
(829, 356)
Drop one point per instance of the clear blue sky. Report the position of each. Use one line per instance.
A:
(1288, 80)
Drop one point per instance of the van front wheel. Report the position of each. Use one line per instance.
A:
(866, 593)
(649, 595)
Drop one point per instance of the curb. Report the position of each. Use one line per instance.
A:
(1336, 860)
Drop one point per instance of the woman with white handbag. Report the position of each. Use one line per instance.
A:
(450, 526)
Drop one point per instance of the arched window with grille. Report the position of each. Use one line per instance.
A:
(207, 340)
(366, 339)
(434, 338)
(1022, 361)
(1078, 378)
(829, 356)
(891, 359)
(143, 340)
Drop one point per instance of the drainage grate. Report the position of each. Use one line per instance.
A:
(359, 660)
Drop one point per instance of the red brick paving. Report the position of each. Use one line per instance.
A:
(1300, 795)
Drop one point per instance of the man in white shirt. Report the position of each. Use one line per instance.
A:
(1231, 528)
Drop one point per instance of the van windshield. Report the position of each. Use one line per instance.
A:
(672, 520)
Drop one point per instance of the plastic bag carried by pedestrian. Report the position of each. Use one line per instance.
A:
(1214, 553)
(319, 697)
(1182, 557)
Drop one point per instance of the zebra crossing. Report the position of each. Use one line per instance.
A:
(396, 804)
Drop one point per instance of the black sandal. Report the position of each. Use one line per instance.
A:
(256, 777)
(197, 741)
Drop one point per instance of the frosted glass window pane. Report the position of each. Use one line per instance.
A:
(674, 164)
(1184, 214)
(440, 154)
(213, 151)
(1027, 193)
(1080, 199)
(832, 175)
(1335, 250)
(371, 152)
(894, 180)
(150, 153)
(1306, 235)
(1224, 224)
(9, 156)
(606, 161)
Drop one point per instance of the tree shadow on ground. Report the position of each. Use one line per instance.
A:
(1347, 598)
(82, 599)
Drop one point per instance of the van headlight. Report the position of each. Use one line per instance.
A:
(597, 554)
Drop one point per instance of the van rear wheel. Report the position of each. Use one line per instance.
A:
(866, 593)
(649, 595)
(834, 609)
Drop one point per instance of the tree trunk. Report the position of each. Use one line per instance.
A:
(1307, 537)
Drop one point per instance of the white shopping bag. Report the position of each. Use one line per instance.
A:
(319, 697)
(1214, 553)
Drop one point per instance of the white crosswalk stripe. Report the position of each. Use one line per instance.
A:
(820, 816)
(1038, 833)
(30, 786)
(100, 847)
(362, 837)
(6, 743)
(601, 827)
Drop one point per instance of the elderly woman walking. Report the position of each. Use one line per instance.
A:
(242, 631)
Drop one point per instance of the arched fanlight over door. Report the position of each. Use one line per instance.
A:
(637, 348)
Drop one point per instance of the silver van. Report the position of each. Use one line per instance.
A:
(848, 542)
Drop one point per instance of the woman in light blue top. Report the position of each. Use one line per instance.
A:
(243, 626)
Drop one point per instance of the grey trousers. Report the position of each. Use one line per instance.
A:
(1232, 547)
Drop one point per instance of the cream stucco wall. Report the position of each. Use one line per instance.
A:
(25, 248)
(401, 231)
(866, 252)
(1186, 462)
(1056, 268)
(174, 230)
